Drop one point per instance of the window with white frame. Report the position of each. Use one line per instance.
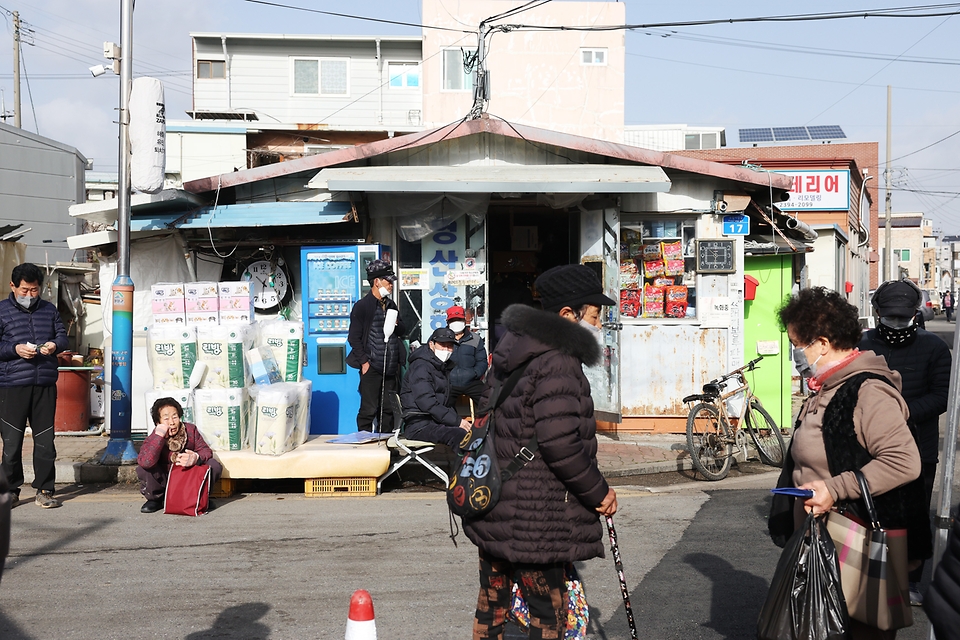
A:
(403, 75)
(211, 69)
(456, 76)
(593, 57)
(903, 255)
(700, 141)
(321, 76)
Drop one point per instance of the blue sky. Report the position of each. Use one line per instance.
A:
(732, 75)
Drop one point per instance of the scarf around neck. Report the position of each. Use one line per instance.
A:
(177, 443)
(816, 382)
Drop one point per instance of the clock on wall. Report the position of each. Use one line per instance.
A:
(716, 256)
(271, 284)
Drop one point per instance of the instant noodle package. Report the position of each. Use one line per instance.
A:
(652, 301)
(629, 275)
(653, 268)
(676, 301)
(630, 302)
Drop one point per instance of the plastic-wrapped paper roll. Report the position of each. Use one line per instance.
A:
(172, 352)
(221, 348)
(304, 395)
(148, 135)
(285, 340)
(274, 418)
(183, 396)
(263, 366)
(196, 376)
(222, 417)
(389, 324)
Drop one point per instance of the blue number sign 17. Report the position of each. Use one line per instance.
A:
(736, 225)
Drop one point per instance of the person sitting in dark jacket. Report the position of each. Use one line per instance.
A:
(172, 443)
(425, 393)
(469, 359)
(923, 361)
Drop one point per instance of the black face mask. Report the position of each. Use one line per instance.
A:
(897, 337)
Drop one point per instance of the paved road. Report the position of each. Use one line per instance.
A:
(697, 561)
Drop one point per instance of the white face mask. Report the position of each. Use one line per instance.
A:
(457, 326)
(443, 356)
(384, 292)
(587, 325)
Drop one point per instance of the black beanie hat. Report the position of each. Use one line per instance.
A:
(570, 285)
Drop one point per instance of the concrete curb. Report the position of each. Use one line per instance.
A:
(87, 473)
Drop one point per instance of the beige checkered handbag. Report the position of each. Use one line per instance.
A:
(873, 567)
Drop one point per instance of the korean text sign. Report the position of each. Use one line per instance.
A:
(827, 190)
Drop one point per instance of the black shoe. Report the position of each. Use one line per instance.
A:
(151, 506)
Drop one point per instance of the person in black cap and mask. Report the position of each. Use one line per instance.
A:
(425, 393)
(378, 360)
(547, 515)
(923, 361)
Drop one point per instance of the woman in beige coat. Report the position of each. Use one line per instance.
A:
(855, 419)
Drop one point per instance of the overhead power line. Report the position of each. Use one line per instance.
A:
(355, 17)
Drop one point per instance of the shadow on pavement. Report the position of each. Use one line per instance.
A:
(16, 560)
(736, 595)
(10, 631)
(240, 621)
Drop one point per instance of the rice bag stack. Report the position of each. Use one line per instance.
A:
(221, 348)
(263, 366)
(168, 304)
(202, 303)
(172, 352)
(273, 418)
(285, 340)
(183, 396)
(222, 417)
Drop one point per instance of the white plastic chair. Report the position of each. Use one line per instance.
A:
(405, 450)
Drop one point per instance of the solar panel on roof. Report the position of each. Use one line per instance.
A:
(826, 132)
(763, 134)
(790, 133)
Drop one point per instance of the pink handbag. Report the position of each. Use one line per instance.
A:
(188, 490)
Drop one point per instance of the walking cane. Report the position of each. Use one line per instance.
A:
(615, 549)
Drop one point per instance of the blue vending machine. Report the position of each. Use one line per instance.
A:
(334, 278)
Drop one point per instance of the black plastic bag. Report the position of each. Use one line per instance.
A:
(805, 599)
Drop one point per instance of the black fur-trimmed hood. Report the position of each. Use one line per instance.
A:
(541, 331)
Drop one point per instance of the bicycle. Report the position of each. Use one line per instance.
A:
(712, 432)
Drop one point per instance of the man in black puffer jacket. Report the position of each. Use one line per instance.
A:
(425, 393)
(923, 361)
(547, 514)
(943, 599)
(469, 359)
(31, 334)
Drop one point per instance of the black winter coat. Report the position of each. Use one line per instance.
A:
(425, 390)
(942, 601)
(924, 368)
(469, 360)
(38, 325)
(361, 320)
(547, 511)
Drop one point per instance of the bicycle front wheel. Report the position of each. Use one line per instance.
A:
(709, 442)
(765, 434)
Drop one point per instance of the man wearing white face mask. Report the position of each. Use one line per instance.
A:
(377, 359)
(469, 359)
(31, 334)
(923, 361)
(425, 393)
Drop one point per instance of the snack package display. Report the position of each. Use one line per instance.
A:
(651, 252)
(285, 340)
(183, 396)
(652, 301)
(273, 417)
(631, 302)
(221, 348)
(263, 366)
(172, 352)
(629, 275)
(673, 267)
(222, 417)
(676, 301)
(652, 268)
(663, 282)
(672, 250)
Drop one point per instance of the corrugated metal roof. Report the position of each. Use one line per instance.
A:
(626, 154)
(570, 178)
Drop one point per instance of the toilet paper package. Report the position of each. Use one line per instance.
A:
(222, 417)
(263, 366)
(304, 394)
(172, 352)
(221, 348)
(273, 417)
(285, 339)
(183, 396)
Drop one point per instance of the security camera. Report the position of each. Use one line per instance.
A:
(98, 70)
(721, 205)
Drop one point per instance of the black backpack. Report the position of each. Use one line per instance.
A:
(475, 485)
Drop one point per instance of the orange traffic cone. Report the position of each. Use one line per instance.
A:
(360, 622)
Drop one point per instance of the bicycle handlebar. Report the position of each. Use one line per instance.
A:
(750, 366)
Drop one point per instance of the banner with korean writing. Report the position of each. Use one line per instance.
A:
(443, 251)
(827, 190)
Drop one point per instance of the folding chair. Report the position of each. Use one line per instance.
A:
(407, 450)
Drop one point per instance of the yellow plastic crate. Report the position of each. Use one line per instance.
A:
(326, 487)
(224, 488)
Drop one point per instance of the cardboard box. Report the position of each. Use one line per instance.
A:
(201, 290)
(163, 290)
(237, 303)
(167, 305)
(170, 318)
(242, 317)
(239, 288)
(203, 317)
(194, 305)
